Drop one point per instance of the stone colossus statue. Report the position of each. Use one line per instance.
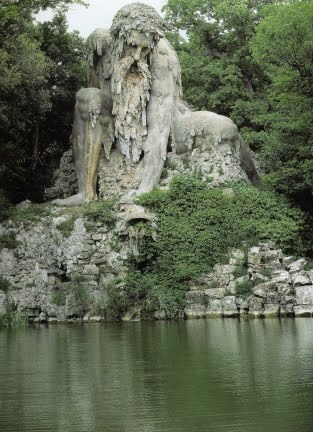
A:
(132, 112)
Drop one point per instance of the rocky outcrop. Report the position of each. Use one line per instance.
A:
(57, 276)
(64, 182)
(262, 282)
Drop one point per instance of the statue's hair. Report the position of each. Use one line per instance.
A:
(138, 16)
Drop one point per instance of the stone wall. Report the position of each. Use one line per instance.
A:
(47, 268)
(45, 261)
(262, 282)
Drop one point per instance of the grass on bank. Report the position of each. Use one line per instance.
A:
(97, 211)
(13, 318)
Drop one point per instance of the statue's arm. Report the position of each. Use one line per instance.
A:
(159, 117)
(98, 59)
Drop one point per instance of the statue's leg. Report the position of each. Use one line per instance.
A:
(91, 123)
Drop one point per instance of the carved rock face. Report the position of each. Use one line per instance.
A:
(138, 45)
(141, 111)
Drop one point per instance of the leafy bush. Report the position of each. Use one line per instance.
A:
(244, 289)
(197, 227)
(67, 226)
(8, 240)
(13, 318)
(4, 284)
(59, 297)
(75, 295)
(308, 266)
(78, 298)
(100, 211)
(113, 303)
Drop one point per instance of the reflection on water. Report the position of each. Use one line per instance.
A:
(195, 376)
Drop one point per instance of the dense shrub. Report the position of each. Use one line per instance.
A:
(4, 284)
(197, 227)
(13, 318)
(8, 240)
(75, 295)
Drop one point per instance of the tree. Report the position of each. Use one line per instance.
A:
(217, 68)
(283, 45)
(41, 68)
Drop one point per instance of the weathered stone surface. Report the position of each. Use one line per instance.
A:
(268, 291)
(8, 262)
(64, 179)
(271, 310)
(2, 302)
(90, 269)
(256, 306)
(304, 295)
(160, 315)
(230, 307)
(296, 266)
(286, 310)
(303, 310)
(301, 278)
(23, 205)
(195, 296)
(133, 314)
(195, 311)
(285, 290)
(215, 293)
(281, 276)
(214, 308)
(243, 305)
(265, 255)
(236, 257)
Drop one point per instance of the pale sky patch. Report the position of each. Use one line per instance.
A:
(98, 14)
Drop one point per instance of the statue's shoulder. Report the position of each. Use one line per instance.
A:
(165, 48)
(165, 57)
(99, 40)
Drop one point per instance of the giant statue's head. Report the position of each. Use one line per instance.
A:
(135, 31)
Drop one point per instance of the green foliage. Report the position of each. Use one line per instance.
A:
(218, 72)
(267, 273)
(41, 68)
(100, 211)
(197, 227)
(75, 295)
(78, 299)
(240, 270)
(252, 61)
(113, 301)
(13, 318)
(59, 297)
(283, 46)
(8, 240)
(308, 266)
(97, 211)
(25, 215)
(4, 284)
(244, 289)
(67, 226)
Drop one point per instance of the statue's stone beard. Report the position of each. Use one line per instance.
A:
(131, 82)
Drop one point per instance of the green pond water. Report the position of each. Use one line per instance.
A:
(202, 375)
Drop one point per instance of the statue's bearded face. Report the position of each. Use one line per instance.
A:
(138, 45)
(131, 82)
